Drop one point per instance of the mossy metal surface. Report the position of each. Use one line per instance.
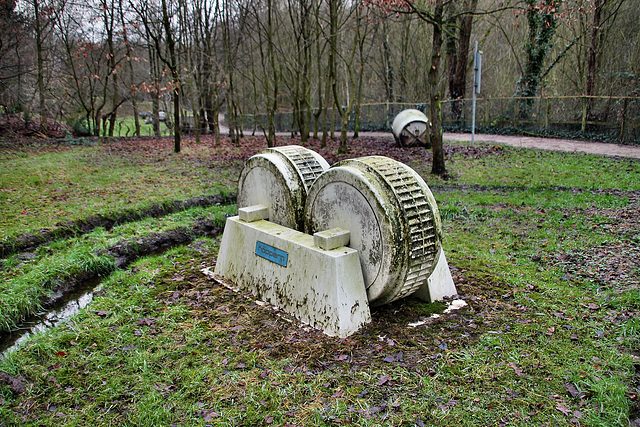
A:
(278, 178)
(393, 219)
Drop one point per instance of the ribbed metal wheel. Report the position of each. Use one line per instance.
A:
(279, 179)
(392, 216)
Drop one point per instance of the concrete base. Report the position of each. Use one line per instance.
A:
(323, 288)
(439, 284)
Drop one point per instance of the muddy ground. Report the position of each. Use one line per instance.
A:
(29, 241)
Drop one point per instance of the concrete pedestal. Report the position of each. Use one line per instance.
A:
(282, 266)
(439, 284)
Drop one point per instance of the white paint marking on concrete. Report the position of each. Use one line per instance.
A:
(454, 305)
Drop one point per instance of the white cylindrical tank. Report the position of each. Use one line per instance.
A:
(410, 129)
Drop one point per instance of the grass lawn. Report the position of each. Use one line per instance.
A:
(126, 126)
(544, 248)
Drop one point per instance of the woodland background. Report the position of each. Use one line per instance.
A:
(104, 67)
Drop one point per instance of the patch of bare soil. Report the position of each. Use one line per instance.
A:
(615, 264)
(16, 384)
(388, 339)
(14, 125)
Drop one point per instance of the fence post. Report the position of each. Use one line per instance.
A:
(624, 118)
(546, 115)
(387, 114)
(584, 113)
(515, 114)
(486, 112)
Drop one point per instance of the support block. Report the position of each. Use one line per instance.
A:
(331, 239)
(253, 213)
(439, 284)
(284, 267)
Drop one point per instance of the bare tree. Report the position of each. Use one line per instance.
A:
(603, 16)
(302, 28)
(44, 17)
(85, 71)
(232, 28)
(457, 38)
(130, 58)
(344, 102)
(266, 21)
(433, 14)
(158, 25)
(14, 62)
(208, 16)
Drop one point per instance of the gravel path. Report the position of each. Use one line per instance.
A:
(590, 147)
(553, 144)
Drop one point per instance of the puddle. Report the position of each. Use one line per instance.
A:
(72, 302)
(64, 309)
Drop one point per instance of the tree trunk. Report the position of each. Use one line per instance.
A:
(173, 67)
(435, 108)
(324, 107)
(333, 47)
(155, 100)
(39, 31)
(458, 56)
(388, 64)
(594, 49)
(134, 102)
(273, 107)
(108, 15)
(404, 54)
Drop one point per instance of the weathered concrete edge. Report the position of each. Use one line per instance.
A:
(324, 289)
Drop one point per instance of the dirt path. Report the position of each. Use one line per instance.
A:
(589, 147)
(553, 144)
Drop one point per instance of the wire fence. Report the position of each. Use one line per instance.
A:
(602, 118)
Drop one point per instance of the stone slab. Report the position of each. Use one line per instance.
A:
(323, 288)
(439, 284)
(331, 239)
(253, 213)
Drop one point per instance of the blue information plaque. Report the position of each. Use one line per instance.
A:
(276, 255)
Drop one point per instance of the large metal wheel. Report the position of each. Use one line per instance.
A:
(279, 179)
(392, 217)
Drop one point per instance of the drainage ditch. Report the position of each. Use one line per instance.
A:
(75, 294)
(27, 241)
(66, 307)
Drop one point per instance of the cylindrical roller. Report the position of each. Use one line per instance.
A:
(279, 179)
(410, 129)
(392, 217)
